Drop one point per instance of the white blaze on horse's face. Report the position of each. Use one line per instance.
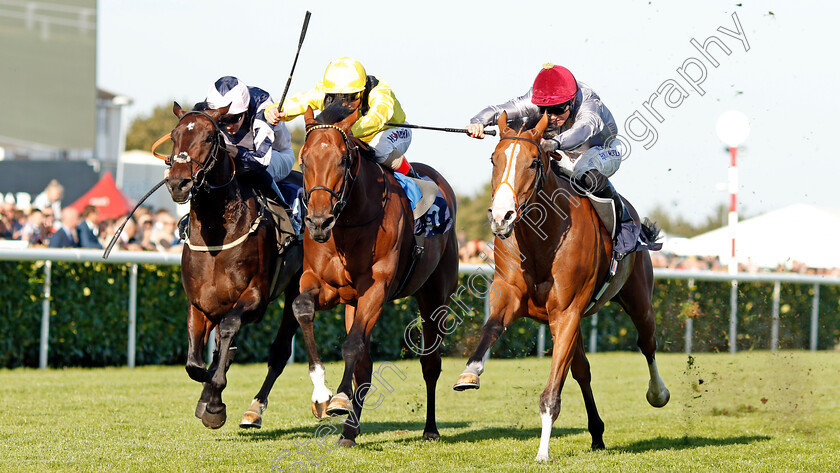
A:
(503, 209)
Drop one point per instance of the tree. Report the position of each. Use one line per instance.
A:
(472, 214)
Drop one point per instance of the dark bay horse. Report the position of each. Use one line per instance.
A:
(549, 271)
(358, 248)
(230, 266)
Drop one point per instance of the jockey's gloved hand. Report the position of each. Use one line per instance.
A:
(549, 146)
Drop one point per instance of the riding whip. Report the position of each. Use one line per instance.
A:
(119, 230)
(448, 130)
(300, 43)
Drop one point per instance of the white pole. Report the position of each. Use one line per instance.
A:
(132, 315)
(815, 317)
(486, 317)
(211, 346)
(541, 341)
(45, 316)
(774, 328)
(689, 321)
(593, 334)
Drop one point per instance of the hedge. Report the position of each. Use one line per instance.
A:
(89, 319)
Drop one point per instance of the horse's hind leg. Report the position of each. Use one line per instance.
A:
(430, 356)
(583, 376)
(635, 297)
(278, 356)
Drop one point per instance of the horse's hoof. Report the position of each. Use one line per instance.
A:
(466, 381)
(658, 400)
(214, 420)
(541, 457)
(250, 420)
(598, 445)
(253, 416)
(200, 408)
(347, 443)
(339, 405)
(319, 410)
(431, 436)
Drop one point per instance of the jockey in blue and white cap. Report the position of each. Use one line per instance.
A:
(263, 152)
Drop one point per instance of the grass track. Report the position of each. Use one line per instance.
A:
(117, 419)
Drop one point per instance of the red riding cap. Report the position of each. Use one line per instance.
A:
(553, 85)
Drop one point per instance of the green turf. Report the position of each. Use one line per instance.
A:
(753, 412)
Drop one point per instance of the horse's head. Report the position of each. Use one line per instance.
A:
(197, 143)
(326, 159)
(518, 173)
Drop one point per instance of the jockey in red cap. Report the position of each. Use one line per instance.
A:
(580, 123)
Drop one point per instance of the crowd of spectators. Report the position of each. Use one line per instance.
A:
(478, 251)
(44, 222)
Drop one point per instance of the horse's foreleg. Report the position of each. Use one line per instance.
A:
(278, 356)
(304, 310)
(198, 329)
(503, 313)
(564, 330)
(583, 376)
(215, 414)
(368, 309)
(362, 383)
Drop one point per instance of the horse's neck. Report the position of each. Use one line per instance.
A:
(547, 222)
(365, 198)
(214, 208)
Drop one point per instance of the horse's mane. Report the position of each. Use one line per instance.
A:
(334, 113)
(338, 111)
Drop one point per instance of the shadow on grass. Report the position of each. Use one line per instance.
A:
(685, 442)
(408, 432)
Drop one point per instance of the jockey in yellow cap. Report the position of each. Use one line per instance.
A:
(345, 80)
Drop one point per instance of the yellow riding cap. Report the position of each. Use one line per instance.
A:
(344, 76)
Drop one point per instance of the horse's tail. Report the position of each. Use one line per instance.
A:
(651, 231)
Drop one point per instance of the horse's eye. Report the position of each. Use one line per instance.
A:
(534, 164)
(491, 159)
(209, 139)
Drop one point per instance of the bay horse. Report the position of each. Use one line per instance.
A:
(551, 271)
(230, 266)
(358, 251)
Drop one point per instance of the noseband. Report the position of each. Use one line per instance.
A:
(347, 160)
(541, 175)
(200, 176)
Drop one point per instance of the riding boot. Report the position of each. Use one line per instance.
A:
(626, 231)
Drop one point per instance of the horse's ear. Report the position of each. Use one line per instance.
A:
(217, 113)
(541, 125)
(177, 110)
(504, 129)
(309, 116)
(349, 120)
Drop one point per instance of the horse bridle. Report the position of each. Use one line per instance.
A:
(541, 175)
(347, 160)
(200, 176)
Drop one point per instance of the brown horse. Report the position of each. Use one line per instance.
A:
(229, 262)
(358, 250)
(549, 268)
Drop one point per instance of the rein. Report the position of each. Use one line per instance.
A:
(541, 175)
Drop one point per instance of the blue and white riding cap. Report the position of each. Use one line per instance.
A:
(229, 90)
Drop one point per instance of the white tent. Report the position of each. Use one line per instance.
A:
(799, 232)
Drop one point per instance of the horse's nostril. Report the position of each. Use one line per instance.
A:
(328, 222)
(509, 215)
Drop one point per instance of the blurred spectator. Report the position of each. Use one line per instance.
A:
(67, 235)
(88, 228)
(50, 198)
(7, 218)
(34, 231)
(163, 232)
